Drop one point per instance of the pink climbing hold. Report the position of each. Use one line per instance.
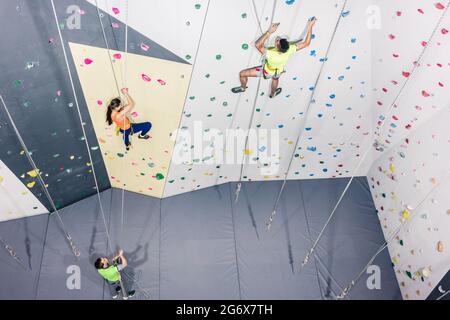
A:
(116, 10)
(144, 47)
(58, 93)
(391, 36)
(441, 84)
(439, 6)
(425, 94)
(161, 82)
(88, 61)
(421, 11)
(408, 126)
(146, 78)
(117, 56)
(99, 102)
(395, 55)
(444, 31)
(406, 74)
(134, 114)
(115, 25)
(399, 13)
(424, 43)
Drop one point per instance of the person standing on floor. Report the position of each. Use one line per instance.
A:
(111, 273)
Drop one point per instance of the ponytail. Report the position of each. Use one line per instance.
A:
(112, 105)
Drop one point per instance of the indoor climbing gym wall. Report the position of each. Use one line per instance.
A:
(410, 176)
(17, 201)
(158, 88)
(342, 73)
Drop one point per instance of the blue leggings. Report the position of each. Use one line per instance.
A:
(143, 127)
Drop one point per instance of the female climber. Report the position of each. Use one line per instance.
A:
(118, 113)
(275, 58)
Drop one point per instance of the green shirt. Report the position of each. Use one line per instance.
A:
(111, 273)
(276, 60)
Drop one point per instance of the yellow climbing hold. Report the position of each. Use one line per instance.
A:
(395, 260)
(31, 184)
(1, 179)
(405, 214)
(392, 168)
(33, 173)
(248, 152)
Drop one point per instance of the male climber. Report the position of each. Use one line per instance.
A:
(275, 58)
(111, 273)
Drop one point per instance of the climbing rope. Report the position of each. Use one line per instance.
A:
(302, 127)
(412, 214)
(12, 253)
(239, 185)
(82, 124)
(393, 105)
(189, 85)
(240, 96)
(124, 76)
(74, 249)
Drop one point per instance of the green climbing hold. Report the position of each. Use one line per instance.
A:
(207, 75)
(198, 6)
(212, 98)
(258, 109)
(218, 57)
(245, 46)
(244, 15)
(18, 83)
(225, 103)
(120, 155)
(408, 273)
(159, 176)
(188, 57)
(229, 115)
(222, 82)
(192, 97)
(171, 181)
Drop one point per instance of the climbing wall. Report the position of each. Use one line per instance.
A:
(16, 199)
(38, 93)
(337, 124)
(410, 177)
(158, 88)
(36, 90)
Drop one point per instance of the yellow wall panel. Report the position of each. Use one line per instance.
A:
(144, 167)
